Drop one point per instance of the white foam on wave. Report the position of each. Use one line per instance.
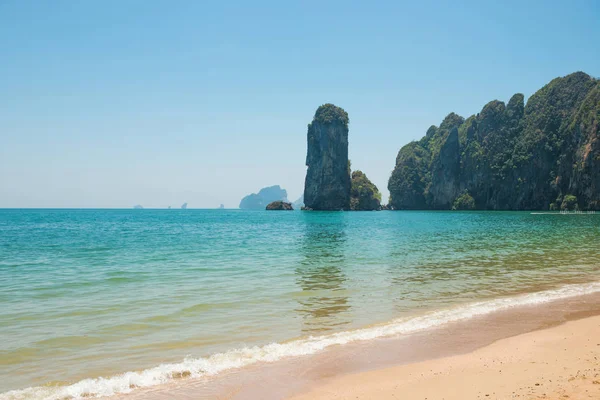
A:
(237, 358)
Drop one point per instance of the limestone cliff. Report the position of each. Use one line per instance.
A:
(445, 170)
(538, 156)
(327, 184)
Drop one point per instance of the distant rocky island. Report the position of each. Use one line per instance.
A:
(543, 155)
(260, 200)
(330, 185)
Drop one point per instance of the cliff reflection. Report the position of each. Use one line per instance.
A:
(323, 301)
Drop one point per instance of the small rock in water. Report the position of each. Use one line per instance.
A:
(280, 205)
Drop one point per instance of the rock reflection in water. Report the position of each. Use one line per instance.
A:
(323, 302)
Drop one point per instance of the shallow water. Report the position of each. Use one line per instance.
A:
(89, 293)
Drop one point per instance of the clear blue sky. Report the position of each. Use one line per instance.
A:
(117, 103)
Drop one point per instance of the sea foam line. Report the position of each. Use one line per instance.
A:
(237, 358)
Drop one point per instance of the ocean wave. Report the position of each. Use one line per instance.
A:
(237, 358)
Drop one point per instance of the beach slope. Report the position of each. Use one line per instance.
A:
(557, 363)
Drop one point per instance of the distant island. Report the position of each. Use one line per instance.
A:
(138, 207)
(544, 155)
(299, 203)
(260, 200)
(184, 206)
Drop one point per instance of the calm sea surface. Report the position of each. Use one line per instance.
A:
(91, 293)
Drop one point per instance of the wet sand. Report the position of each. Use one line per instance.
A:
(557, 363)
(501, 354)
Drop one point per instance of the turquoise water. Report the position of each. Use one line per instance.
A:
(90, 293)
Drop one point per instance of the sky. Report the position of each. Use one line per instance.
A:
(117, 103)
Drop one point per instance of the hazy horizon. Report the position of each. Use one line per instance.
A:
(109, 105)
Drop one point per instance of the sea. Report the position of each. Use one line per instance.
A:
(99, 302)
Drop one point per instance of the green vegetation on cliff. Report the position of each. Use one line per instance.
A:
(411, 177)
(329, 113)
(509, 157)
(464, 202)
(569, 203)
(364, 195)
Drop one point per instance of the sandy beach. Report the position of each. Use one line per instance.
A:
(556, 363)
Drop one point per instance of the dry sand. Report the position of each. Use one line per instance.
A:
(556, 363)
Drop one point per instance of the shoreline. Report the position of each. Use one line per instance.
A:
(312, 375)
(289, 375)
(561, 362)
